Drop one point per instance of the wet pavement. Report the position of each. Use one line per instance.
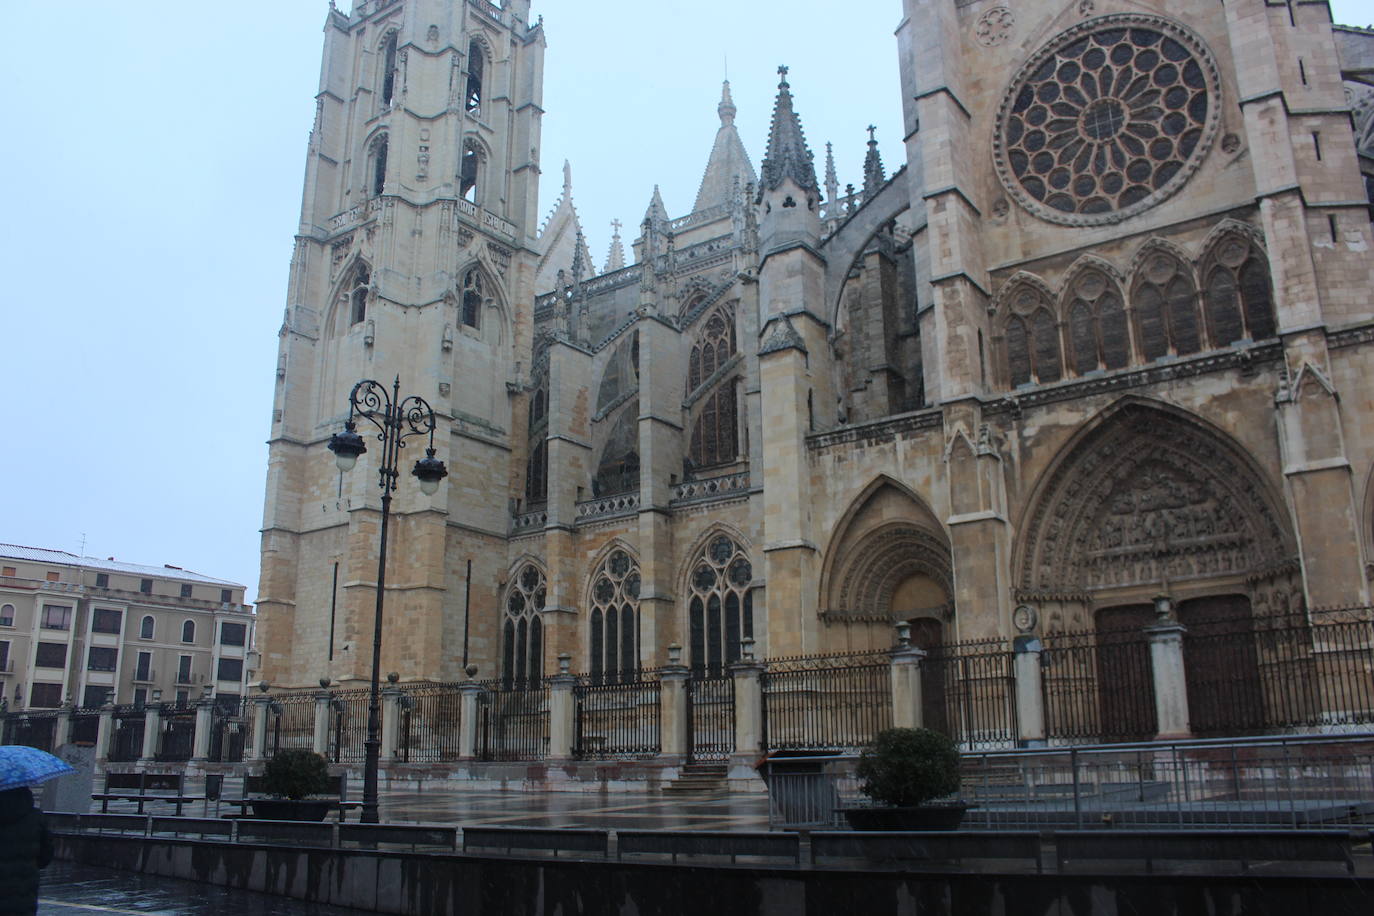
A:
(80, 890)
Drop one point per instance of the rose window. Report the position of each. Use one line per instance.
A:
(1108, 119)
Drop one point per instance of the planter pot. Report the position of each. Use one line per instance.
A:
(284, 809)
(924, 817)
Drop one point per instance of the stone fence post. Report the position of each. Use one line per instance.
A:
(62, 727)
(468, 692)
(319, 739)
(907, 709)
(747, 674)
(562, 710)
(205, 721)
(152, 729)
(262, 705)
(1166, 665)
(1030, 697)
(391, 718)
(104, 734)
(673, 709)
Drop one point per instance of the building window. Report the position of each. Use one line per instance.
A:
(468, 168)
(389, 70)
(377, 161)
(233, 634)
(226, 596)
(8, 571)
(1165, 309)
(618, 469)
(53, 575)
(614, 637)
(1098, 336)
(50, 655)
(230, 669)
(145, 586)
(6, 615)
(1237, 299)
(183, 699)
(185, 590)
(523, 632)
(56, 617)
(95, 696)
(188, 631)
(4, 656)
(184, 669)
(721, 610)
(473, 290)
(102, 658)
(102, 580)
(46, 696)
(353, 296)
(106, 620)
(143, 669)
(477, 62)
(145, 628)
(1031, 339)
(140, 696)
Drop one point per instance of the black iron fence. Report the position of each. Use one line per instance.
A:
(710, 716)
(126, 742)
(431, 716)
(513, 721)
(617, 719)
(230, 732)
(1098, 687)
(178, 737)
(291, 722)
(348, 725)
(826, 701)
(968, 691)
(32, 729)
(85, 726)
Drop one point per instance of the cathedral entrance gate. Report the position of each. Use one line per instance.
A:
(710, 716)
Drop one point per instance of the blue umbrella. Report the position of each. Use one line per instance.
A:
(28, 766)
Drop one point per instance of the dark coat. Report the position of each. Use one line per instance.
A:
(25, 847)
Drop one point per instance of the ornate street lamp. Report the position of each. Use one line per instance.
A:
(396, 420)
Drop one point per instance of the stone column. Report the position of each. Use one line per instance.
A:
(62, 728)
(320, 740)
(467, 718)
(261, 704)
(673, 709)
(748, 712)
(391, 720)
(205, 720)
(1030, 697)
(104, 733)
(152, 728)
(562, 710)
(906, 680)
(1171, 685)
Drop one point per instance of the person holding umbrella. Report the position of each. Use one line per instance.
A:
(25, 845)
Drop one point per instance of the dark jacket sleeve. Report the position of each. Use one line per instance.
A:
(44, 845)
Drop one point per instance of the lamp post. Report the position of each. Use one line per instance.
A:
(396, 421)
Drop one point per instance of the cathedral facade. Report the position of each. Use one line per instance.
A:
(1103, 334)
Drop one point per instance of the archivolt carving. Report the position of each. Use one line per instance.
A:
(884, 559)
(1149, 496)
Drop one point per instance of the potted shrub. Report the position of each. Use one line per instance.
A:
(291, 778)
(910, 774)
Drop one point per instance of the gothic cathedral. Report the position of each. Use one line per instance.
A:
(1105, 334)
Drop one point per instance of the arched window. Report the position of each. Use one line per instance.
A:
(377, 167)
(715, 345)
(6, 615)
(145, 628)
(715, 434)
(618, 469)
(614, 636)
(721, 609)
(353, 294)
(537, 469)
(188, 631)
(468, 169)
(1237, 299)
(1098, 335)
(473, 297)
(523, 631)
(388, 70)
(1165, 308)
(1031, 338)
(477, 62)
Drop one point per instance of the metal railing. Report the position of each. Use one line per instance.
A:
(348, 725)
(431, 716)
(968, 691)
(1098, 687)
(32, 729)
(710, 716)
(513, 721)
(126, 744)
(617, 719)
(291, 722)
(178, 735)
(826, 701)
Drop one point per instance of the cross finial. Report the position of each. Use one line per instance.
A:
(782, 72)
(615, 226)
(872, 130)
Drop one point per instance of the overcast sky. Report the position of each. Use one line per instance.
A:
(154, 154)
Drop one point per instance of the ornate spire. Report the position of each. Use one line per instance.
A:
(567, 179)
(788, 155)
(729, 161)
(657, 213)
(832, 183)
(615, 258)
(874, 176)
(579, 264)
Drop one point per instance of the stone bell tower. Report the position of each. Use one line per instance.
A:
(414, 258)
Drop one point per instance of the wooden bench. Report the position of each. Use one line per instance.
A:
(905, 849)
(1248, 847)
(158, 787)
(708, 843)
(536, 839)
(254, 790)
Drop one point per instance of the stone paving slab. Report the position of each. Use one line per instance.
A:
(80, 890)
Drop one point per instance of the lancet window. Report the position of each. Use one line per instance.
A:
(523, 631)
(353, 294)
(388, 70)
(721, 608)
(1236, 295)
(1165, 307)
(537, 470)
(1098, 334)
(474, 288)
(715, 432)
(614, 637)
(377, 173)
(1032, 342)
(476, 67)
(468, 169)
